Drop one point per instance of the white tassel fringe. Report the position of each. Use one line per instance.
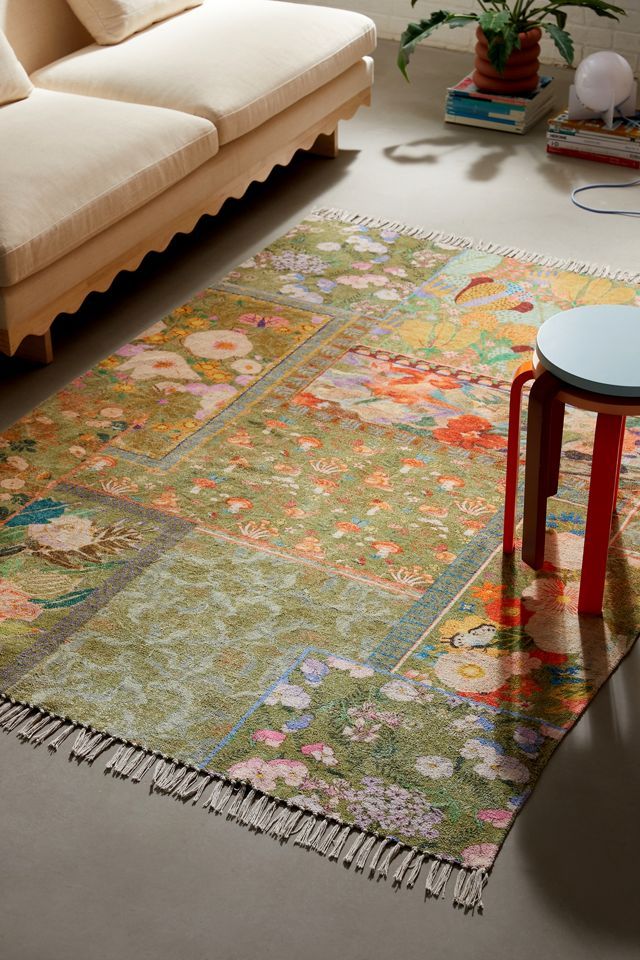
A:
(468, 243)
(248, 806)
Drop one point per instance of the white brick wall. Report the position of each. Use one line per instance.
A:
(589, 32)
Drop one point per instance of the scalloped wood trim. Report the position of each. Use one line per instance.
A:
(326, 145)
(36, 349)
(39, 323)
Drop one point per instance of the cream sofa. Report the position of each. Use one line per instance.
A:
(120, 147)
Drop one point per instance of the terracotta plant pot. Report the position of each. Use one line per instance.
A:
(521, 73)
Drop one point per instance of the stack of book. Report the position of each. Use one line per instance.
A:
(465, 104)
(591, 140)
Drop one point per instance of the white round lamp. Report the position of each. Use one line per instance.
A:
(604, 87)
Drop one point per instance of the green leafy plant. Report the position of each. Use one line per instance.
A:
(502, 22)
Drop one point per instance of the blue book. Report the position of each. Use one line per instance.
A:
(483, 108)
(466, 88)
(500, 121)
(464, 110)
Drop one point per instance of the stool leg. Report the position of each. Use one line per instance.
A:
(556, 427)
(615, 499)
(536, 477)
(523, 374)
(602, 489)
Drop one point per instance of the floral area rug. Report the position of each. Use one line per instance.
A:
(255, 554)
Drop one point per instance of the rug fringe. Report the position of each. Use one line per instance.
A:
(326, 835)
(469, 887)
(468, 243)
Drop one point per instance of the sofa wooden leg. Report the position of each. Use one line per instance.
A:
(36, 348)
(326, 144)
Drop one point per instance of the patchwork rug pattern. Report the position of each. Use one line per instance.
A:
(258, 549)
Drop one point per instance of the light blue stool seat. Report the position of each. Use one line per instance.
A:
(594, 348)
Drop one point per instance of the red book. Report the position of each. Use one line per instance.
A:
(598, 157)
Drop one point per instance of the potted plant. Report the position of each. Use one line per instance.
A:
(508, 38)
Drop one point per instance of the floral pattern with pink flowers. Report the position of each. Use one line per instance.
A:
(413, 772)
(180, 373)
(271, 738)
(499, 818)
(379, 388)
(320, 752)
(479, 854)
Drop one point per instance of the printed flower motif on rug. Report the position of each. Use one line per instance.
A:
(407, 761)
(376, 387)
(181, 372)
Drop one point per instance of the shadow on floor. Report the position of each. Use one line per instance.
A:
(485, 167)
(585, 865)
(582, 860)
(562, 174)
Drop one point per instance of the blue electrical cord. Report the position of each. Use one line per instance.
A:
(605, 186)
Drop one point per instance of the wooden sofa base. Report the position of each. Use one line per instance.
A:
(37, 348)
(326, 145)
(29, 336)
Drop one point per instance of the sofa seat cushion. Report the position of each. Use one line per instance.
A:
(235, 62)
(70, 166)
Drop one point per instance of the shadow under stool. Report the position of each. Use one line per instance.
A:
(587, 357)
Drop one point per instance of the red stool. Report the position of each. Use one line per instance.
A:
(605, 331)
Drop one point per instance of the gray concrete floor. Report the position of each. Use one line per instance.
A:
(95, 869)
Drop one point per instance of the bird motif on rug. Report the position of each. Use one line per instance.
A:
(484, 294)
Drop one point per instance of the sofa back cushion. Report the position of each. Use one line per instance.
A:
(41, 31)
(110, 21)
(14, 82)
